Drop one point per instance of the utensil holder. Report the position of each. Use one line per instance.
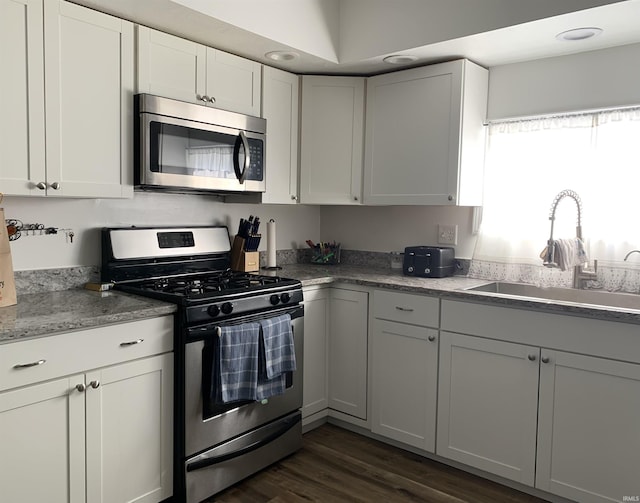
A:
(243, 260)
(326, 255)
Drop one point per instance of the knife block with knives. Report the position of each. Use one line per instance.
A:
(244, 251)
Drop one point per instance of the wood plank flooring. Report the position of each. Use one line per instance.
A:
(336, 465)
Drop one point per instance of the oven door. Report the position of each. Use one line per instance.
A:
(208, 424)
(179, 153)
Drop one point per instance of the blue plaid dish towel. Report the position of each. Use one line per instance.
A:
(277, 356)
(279, 351)
(239, 361)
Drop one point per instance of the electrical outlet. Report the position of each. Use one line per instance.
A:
(447, 234)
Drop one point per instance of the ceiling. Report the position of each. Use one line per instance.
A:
(351, 37)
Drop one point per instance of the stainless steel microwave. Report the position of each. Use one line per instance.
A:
(181, 146)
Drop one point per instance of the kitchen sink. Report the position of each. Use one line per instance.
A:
(587, 297)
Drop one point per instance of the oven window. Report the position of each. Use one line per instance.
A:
(212, 404)
(189, 151)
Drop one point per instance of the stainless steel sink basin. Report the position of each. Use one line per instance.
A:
(588, 297)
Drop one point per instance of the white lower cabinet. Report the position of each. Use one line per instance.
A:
(588, 428)
(348, 352)
(97, 436)
(316, 318)
(487, 408)
(530, 408)
(404, 367)
(404, 378)
(335, 354)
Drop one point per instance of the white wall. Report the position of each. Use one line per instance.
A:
(392, 228)
(294, 225)
(588, 80)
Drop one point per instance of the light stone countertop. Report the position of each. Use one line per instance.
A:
(447, 288)
(49, 313)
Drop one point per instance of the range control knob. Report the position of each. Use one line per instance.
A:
(274, 299)
(213, 310)
(285, 297)
(227, 307)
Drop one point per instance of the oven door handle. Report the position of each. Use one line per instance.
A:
(204, 463)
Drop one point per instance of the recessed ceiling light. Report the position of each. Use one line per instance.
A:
(282, 55)
(399, 59)
(579, 34)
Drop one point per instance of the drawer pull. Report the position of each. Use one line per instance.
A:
(131, 343)
(405, 309)
(95, 384)
(81, 387)
(29, 365)
(431, 338)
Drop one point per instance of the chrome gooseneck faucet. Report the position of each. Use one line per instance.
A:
(580, 276)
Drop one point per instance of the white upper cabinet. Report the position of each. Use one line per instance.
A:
(176, 68)
(89, 102)
(80, 63)
(331, 140)
(170, 66)
(22, 156)
(280, 109)
(425, 137)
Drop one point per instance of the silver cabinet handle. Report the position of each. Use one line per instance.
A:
(355, 198)
(294, 198)
(405, 309)
(431, 338)
(29, 365)
(545, 359)
(95, 384)
(212, 100)
(532, 358)
(131, 343)
(55, 185)
(81, 387)
(204, 98)
(41, 185)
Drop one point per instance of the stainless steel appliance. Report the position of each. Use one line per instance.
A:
(180, 146)
(216, 444)
(429, 261)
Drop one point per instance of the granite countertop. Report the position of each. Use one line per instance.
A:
(48, 313)
(449, 288)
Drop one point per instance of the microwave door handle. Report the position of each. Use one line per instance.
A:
(241, 174)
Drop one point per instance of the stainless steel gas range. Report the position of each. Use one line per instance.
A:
(218, 440)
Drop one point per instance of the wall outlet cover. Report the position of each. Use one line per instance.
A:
(447, 234)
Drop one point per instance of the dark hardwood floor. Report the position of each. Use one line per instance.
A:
(337, 465)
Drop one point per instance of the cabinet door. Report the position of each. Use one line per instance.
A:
(331, 140)
(22, 162)
(404, 379)
(316, 318)
(89, 101)
(130, 432)
(42, 431)
(233, 83)
(280, 108)
(170, 66)
(416, 124)
(588, 432)
(348, 352)
(488, 405)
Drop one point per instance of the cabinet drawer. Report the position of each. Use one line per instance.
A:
(36, 360)
(406, 308)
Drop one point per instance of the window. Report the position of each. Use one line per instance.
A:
(529, 162)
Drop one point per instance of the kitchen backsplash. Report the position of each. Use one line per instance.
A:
(67, 278)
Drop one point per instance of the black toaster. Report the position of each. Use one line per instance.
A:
(428, 261)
